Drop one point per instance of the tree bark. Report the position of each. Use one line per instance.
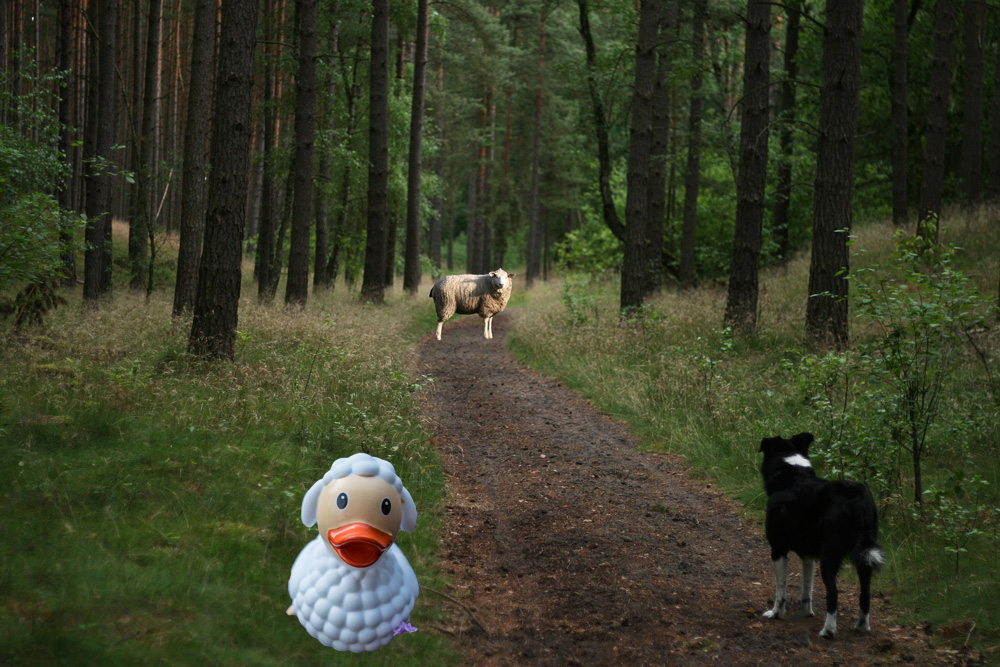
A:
(97, 258)
(932, 180)
(783, 189)
(297, 287)
(411, 253)
(993, 182)
(658, 155)
(195, 155)
(640, 145)
(972, 104)
(826, 309)
(608, 208)
(535, 236)
(900, 118)
(64, 62)
(213, 329)
(266, 227)
(143, 201)
(692, 176)
(741, 302)
(373, 283)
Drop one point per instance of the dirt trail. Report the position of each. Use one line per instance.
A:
(572, 548)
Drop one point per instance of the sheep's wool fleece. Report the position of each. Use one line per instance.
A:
(348, 608)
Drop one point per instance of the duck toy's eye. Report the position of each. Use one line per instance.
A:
(342, 500)
(386, 506)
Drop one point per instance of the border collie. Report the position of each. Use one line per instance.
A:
(820, 520)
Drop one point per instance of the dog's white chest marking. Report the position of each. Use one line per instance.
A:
(798, 460)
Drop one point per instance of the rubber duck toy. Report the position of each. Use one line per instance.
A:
(352, 588)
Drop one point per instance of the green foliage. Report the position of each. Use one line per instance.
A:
(592, 250)
(920, 307)
(152, 499)
(685, 387)
(31, 222)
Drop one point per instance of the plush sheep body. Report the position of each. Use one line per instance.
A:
(466, 294)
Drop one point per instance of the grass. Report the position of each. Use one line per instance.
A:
(685, 386)
(151, 499)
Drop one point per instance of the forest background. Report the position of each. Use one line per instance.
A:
(636, 159)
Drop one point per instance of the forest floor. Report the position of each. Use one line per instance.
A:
(566, 545)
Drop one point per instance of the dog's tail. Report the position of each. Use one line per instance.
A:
(871, 556)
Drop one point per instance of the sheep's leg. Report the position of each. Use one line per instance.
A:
(487, 333)
(438, 332)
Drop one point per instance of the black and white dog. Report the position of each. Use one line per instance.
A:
(820, 520)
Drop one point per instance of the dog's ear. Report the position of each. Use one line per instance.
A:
(766, 443)
(802, 442)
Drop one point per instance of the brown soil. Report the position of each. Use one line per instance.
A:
(568, 546)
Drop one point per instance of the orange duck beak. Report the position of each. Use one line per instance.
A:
(358, 544)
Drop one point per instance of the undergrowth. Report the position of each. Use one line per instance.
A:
(151, 499)
(911, 408)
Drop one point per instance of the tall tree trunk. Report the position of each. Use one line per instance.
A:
(195, 155)
(297, 288)
(608, 207)
(783, 190)
(97, 258)
(213, 329)
(535, 235)
(993, 183)
(321, 196)
(143, 193)
(692, 177)
(652, 279)
(900, 118)
(265, 234)
(972, 104)
(373, 283)
(640, 146)
(411, 254)
(826, 309)
(741, 301)
(932, 179)
(64, 63)
(437, 220)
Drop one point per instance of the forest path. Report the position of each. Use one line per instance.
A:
(571, 547)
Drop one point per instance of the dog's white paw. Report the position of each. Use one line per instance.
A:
(776, 613)
(863, 625)
(829, 630)
(806, 608)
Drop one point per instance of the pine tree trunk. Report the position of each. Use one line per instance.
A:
(692, 176)
(266, 227)
(297, 288)
(97, 258)
(213, 329)
(373, 283)
(826, 309)
(535, 236)
(195, 157)
(143, 192)
(783, 189)
(972, 104)
(932, 180)
(900, 119)
(652, 279)
(411, 254)
(608, 207)
(741, 301)
(64, 62)
(640, 146)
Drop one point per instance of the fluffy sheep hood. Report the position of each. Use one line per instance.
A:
(367, 466)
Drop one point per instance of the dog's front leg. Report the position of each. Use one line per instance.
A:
(808, 577)
(780, 566)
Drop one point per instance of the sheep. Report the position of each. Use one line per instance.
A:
(466, 294)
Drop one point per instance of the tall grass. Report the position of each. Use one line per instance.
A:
(685, 386)
(151, 499)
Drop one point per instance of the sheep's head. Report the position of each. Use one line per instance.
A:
(359, 505)
(501, 280)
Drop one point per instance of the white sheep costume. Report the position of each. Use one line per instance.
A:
(351, 607)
